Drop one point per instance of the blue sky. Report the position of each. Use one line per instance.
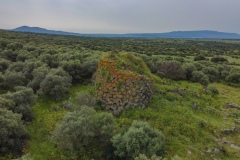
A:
(122, 16)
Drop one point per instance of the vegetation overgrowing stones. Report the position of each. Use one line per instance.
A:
(118, 90)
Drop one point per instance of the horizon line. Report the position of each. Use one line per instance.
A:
(125, 32)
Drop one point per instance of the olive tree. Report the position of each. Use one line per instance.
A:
(21, 102)
(38, 75)
(172, 70)
(13, 78)
(233, 78)
(75, 130)
(212, 73)
(2, 78)
(74, 68)
(188, 68)
(6, 103)
(56, 84)
(200, 77)
(12, 132)
(83, 129)
(140, 138)
(4, 64)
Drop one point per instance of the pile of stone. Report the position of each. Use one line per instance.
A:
(118, 90)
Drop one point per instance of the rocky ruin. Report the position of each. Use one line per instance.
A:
(120, 89)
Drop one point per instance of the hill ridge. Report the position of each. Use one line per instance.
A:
(174, 34)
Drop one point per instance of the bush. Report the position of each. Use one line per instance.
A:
(56, 84)
(75, 130)
(233, 78)
(82, 130)
(212, 73)
(172, 70)
(2, 78)
(199, 76)
(85, 98)
(188, 68)
(21, 102)
(224, 74)
(81, 66)
(213, 90)
(24, 55)
(73, 68)
(39, 75)
(12, 132)
(140, 138)
(198, 66)
(199, 58)
(6, 103)
(4, 64)
(16, 66)
(15, 79)
(218, 59)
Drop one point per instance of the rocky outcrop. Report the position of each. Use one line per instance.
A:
(118, 89)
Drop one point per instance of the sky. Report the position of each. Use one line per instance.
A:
(122, 16)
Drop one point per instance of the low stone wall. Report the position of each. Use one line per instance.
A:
(118, 90)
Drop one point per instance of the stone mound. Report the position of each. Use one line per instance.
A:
(118, 89)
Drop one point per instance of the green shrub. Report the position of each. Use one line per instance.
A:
(6, 103)
(212, 73)
(172, 70)
(82, 130)
(12, 133)
(213, 90)
(14, 78)
(56, 84)
(140, 138)
(21, 102)
(218, 59)
(4, 64)
(199, 76)
(2, 78)
(38, 75)
(85, 98)
(224, 74)
(233, 78)
(188, 68)
(199, 58)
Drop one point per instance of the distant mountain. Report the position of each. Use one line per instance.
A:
(41, 30)
(175, 34)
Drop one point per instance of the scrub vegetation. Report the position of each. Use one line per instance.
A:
(49, 108)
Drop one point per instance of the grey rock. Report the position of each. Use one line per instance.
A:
(216, 151)
(208, 151)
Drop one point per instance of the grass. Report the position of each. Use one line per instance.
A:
(46, 118)
(40, 145)
(186, 127)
